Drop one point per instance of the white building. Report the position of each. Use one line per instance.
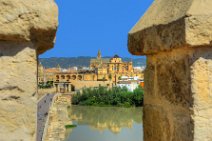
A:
(131, 85)
(141, 68)
(126, 78)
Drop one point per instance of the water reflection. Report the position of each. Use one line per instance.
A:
(106, 124)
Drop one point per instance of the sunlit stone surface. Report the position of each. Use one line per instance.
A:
(176, 36)
(27, 29)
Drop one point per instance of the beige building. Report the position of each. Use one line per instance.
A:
(48, 74)
(103, 71)
(112, 69)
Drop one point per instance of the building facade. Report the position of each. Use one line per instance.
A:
(102, 71)
(112, 68)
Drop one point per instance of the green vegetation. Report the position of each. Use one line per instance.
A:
(103, 96)
(70, 126)
(110, 77)
(46, 85)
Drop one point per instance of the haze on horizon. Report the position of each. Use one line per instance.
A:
(88, 26)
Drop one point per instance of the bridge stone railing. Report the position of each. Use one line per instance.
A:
(176, 37)
(28, 28)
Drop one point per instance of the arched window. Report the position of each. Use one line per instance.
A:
(63, 76)
(79, 77)
(73, 77)
(68, 77)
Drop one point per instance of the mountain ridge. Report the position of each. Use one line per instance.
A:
(82, 61)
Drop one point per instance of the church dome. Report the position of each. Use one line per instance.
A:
(116, 56)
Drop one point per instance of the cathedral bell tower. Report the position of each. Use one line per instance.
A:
(99, 55)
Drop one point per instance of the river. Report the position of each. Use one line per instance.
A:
(105, 124)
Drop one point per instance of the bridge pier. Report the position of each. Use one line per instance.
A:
(176, 37)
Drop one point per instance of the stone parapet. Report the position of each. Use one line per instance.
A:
(29, 21)
(172, 24)
(18, 67)
(176, 36)
(28, 28)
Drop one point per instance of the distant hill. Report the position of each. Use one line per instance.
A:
(81, 61)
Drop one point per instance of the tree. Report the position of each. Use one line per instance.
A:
(102, 96)
(110, 77)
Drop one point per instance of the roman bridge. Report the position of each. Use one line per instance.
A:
(70, 82)
(68, 77)
(176, 37)
(63, 82)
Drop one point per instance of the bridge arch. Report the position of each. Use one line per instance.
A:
(57, 77)
(73, 77)
(62, 76)
(68, 77)
(79, 77)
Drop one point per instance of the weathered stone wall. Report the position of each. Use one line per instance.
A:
(57, 119)
(89, 77)
(86, 84)
(177, 95)
(18, 63)
(201, 88)
(167, 98)
(28, 28)
(176, 36)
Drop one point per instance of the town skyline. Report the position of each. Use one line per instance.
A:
(93, 56)
(83, 61)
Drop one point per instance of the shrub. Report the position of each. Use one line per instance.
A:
(103, 96)
(48, 84)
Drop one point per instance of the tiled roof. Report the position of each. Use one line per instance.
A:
(51, 70)
(104, 60)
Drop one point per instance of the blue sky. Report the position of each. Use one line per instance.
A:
(85, 26)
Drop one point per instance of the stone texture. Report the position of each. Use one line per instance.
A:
(178, 95)
(18, 83)
(43, 108)
(57, 119)
(172, 24)
(201, 79)
(176, 36)
(27, 29)
(24, 20)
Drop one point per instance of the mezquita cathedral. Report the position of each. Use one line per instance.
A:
(102, 71)
(111, 68)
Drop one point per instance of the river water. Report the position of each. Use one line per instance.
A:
(105, 124)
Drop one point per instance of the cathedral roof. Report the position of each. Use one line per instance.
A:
(116, 56)
(102, 60)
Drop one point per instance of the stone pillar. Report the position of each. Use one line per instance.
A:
(56, 86)
(176, 37)
(27, 29)
(67, 85)
(64, 88)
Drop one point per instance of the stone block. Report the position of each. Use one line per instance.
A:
(28, 28)
(176, 36)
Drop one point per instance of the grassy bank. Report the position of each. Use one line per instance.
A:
(103, 96)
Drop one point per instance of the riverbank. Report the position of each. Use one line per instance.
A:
(105, 123)
(62, 113)
(102, 96)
